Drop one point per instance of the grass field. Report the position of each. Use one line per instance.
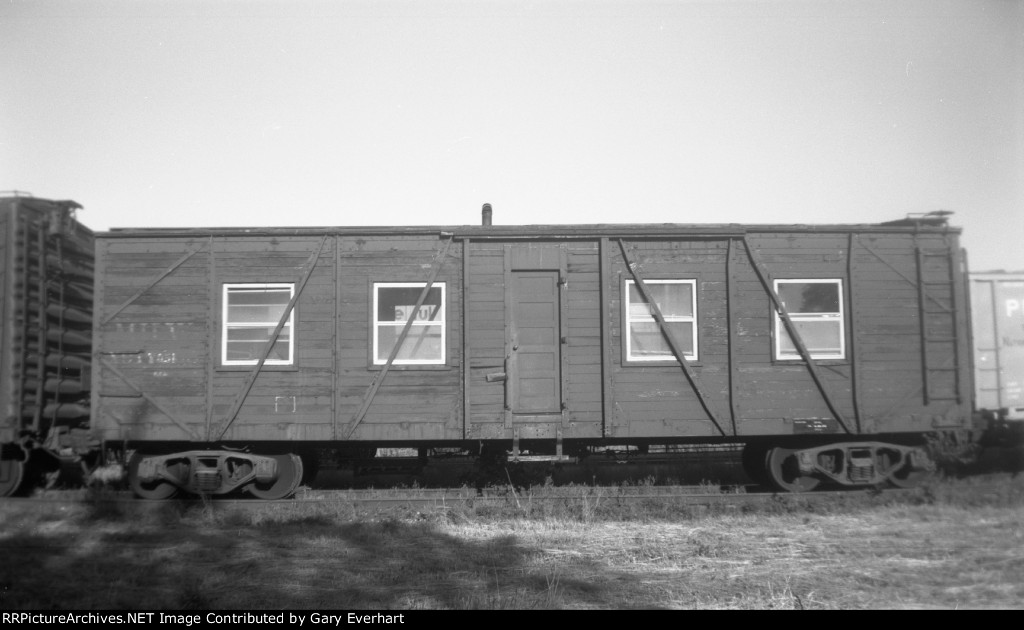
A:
(950, 545)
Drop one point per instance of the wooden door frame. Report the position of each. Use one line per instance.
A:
(563, 301)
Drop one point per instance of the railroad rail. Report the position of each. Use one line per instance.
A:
(427, 499)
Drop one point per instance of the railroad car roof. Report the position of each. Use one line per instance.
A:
(555, 231)
(999, 274)
(65, 208)
(35, 203)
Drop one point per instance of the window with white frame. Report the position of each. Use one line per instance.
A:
(251, 312)
(394, 304)
(816, 309)
(677, 301)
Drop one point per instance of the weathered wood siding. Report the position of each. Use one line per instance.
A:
(583, 416)
(882, 311)
(485, 295)
(888, 308)
(657, 399)
(413, 403)
(153, 356)
(159, 377)
(166, 342)
(770, 394)
(487, 340)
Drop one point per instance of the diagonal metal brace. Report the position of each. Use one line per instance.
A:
(798, 341)
(375, 385)
(702, 395)
(310, 266)
(152, 284)
(181, 425)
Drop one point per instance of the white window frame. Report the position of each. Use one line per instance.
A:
(629, 320)
(441, 323)
(780, 327)
(227, 325)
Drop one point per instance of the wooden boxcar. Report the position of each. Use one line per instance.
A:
(46, 279)
(222, 356)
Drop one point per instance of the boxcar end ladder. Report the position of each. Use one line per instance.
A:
(940, 335)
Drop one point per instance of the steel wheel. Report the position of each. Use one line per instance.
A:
(12, 473)
(784, 472)
(905, 477)
(289, 475)
(152, 490)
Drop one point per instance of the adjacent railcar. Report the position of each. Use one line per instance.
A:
(997, 317)
(46, 280)
(224, 357)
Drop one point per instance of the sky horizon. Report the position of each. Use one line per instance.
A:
(402, 112)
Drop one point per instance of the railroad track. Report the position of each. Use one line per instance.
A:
(426, 499)
(682, 495)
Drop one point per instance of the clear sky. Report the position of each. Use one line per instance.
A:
(230, 113)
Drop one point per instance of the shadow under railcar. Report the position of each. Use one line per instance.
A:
(403, 467)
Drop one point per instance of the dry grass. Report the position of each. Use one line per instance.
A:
(950, 546)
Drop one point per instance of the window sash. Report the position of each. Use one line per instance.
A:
(426, 343)
(254, 322)
(645, 341)
(823, 332)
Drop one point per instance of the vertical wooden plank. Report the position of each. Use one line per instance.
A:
(212, 332)
(508, 336)
(336, 339)
(604, 277)
(99, 271)
(922, 316)
(967, 342)
(731, 300)
(955, 299)
(563, 324)
(466, 351)
(851, 301)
